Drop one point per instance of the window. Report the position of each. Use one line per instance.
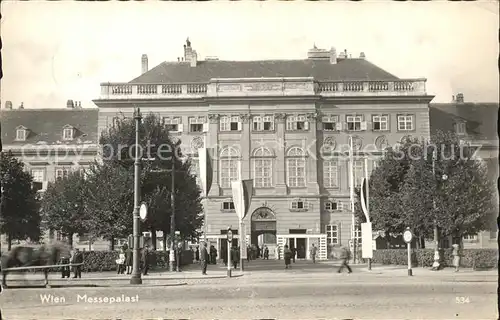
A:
(470, 237)
(197, 124)
(299, 205)
(331, 123)
(358, 172)
(493, 234)
(296, 167)
(405, 123)
(380, 123)
(61, 173)
(68, 134)
(172, 124)
(229, 165)
(332, 206)
(297, 123)
(354, 123)
(460, 128)
(228, 206)
(330, 174)
(263, 168)
(265, 123)
(230, 123)
(357, 234)
(195, 169)
(38, 175)
(21, 134)
(332, 234)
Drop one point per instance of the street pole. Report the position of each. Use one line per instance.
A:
(136, 273)
(243, 240)
(435, 265)
(368, 202)
(410, 272)
(171, 255)
(351, 184)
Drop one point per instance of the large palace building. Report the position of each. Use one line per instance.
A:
(285, 124)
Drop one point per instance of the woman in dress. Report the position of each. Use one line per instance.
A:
(121, 262)
(456, 256)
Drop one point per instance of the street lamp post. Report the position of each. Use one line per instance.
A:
(136, 273)
(171, 255)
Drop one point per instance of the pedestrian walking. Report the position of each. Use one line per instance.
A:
(294, 253)
(456, 256)
(287, 254)
(128, 259)
(248, 253)
(313, 253)
(344, 256)
(178, 257)
(77, 258)
(266, 253)
(120, 262)
(204, 258)
(278, 252)
(235, 256)
(145, 260)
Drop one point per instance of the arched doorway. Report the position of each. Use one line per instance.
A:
(263, 229)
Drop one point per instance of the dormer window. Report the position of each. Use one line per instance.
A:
(460, 128)
(21, 133)
(68, 132)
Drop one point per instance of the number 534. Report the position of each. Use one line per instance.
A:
(462, 300)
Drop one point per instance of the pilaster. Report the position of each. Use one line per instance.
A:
(312, 159)
(245, 144)
(213, 142)
(280, 171)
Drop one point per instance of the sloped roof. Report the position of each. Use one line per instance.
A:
(321, 70)
(481, 118)
(46, 125)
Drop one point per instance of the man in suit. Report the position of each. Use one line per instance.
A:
(204, 258)
(145, 260)
(77, 258)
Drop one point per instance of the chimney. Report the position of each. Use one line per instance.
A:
(8, 105)
(460, 98)
(194, 58)
(333, 56)
(21, 106)
(70, 104)
(190, 55)
(144, 61)
(362, 55)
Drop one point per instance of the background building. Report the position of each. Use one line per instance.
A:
(270, 121)
(476, 123)
(51, 143)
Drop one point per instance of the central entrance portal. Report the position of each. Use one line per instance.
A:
(263, 229)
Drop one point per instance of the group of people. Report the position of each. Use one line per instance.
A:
(75, 257)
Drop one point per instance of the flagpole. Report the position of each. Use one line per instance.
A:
(351, 180)
(367, 204)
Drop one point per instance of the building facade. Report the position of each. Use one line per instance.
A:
(477, 124)
(51, 143)
(286, 124)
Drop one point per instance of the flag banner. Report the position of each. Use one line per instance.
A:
(242, 196)
(366, 240)
(243, 241)
(364, 186)
(205, 156)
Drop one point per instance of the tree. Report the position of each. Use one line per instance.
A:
(158, 153)
(20, 214)
(64, 206)
(109, 201)
(432, 180)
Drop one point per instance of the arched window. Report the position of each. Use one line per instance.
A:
(296, 167)
(263, 168)
(229, 166)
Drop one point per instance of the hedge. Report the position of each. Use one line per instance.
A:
(97, 261)
(470, 258)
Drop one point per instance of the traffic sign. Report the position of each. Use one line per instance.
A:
(407, 235)
(143, 211)
(229, 235)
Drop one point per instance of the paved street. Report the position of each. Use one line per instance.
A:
(305, 292)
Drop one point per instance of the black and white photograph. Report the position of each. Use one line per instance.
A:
(249, 160)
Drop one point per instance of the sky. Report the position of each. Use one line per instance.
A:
(55, 51)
